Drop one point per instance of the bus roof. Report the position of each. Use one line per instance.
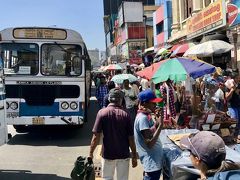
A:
(71, 35)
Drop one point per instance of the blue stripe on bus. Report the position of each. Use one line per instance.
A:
(26, 110)
(2, 97)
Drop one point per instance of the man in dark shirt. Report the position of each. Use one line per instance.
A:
(115, 125)
(106, 102)
(233, 98)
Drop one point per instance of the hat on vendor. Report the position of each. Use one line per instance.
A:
(207, 146)
(148, 96)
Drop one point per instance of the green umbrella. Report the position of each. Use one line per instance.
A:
(121, 77)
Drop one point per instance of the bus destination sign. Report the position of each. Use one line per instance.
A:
(39, 33)
(39, 82)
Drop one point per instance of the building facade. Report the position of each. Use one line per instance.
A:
(199, 21)
(94, 56)
(162, 19)
(115, 36)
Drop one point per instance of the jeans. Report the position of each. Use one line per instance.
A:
(120, 165)
(155, 175)
(235, 113)
(220, 106)
(132, 112)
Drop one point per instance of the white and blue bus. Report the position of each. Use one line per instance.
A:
(47, 76)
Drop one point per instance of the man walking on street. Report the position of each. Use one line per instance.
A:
(147, 133)
(115, 125)
(101, 91)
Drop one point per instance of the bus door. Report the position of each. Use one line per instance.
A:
(3, 125)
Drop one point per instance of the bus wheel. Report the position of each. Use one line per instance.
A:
(20, 128)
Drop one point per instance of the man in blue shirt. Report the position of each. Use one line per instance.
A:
(146, 133)
(101, 91)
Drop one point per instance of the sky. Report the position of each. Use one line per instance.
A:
(84, 16)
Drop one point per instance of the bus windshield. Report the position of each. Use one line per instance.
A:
(61, 60)
(20, 58)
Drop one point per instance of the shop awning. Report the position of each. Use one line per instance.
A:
(215, 36)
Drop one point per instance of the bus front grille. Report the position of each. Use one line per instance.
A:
(42, 95)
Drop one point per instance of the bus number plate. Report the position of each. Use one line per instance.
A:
(38, 121)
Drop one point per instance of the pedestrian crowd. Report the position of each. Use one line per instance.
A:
(132, 115)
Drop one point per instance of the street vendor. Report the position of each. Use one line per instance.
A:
(233, 98)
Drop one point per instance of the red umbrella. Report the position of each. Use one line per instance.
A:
(181, 49)
(148, 72)
(111, 67)
(175, 47)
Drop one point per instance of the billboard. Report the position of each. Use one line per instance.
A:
(207, 20)
(136, 32)
(120, 15)
(233, 12)
(132, 12)
(135, 51)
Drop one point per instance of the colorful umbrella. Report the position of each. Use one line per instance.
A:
(111, 67)
(181, 49)
(177, 69)
(148, 72)
(121, 77)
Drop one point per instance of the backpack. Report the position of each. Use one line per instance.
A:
(226, 175)
(83, 169)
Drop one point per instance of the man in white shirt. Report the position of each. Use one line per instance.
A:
(145, 84)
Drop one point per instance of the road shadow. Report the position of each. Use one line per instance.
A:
(27, 175)
(62, 136)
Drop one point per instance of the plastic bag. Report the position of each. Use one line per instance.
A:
(83, 169)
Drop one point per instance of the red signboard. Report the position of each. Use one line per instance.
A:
(232, 13)
(136, 32)
(135, 52)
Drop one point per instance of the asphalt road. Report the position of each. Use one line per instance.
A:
(49, 152)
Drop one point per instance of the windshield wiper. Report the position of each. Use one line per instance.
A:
(65, 50)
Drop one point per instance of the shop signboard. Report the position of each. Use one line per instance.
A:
(125, 54)
(113, 51)
(233, 12)
(135, 51)
(207, 20)
(120, 15)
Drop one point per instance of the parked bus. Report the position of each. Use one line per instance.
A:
(47, 76)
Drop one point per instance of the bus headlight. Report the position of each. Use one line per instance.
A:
(13, 105)
(73, 105)
(64, 105)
